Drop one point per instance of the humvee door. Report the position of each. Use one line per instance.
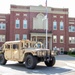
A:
(15, 51)
(8, 51)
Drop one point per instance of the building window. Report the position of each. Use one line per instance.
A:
(17, 14)
(54, 16)
(61, 39)
(54, 39)
(62, 50)
(17, 23)
(71, 49)
(72, 40)
(2, 26)
(54, 25)
(61, 25)
(24, 24)
(24, 14)
(61, 16)
(71, 28)
(17, 37)
(24, 36)
(2, 38)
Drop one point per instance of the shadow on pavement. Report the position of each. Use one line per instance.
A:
(40, 69)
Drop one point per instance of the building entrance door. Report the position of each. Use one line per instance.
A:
(41, 37)
(62, 50)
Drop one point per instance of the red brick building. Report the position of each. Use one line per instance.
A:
(27, 22)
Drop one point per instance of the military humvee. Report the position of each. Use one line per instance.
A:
(28, 52)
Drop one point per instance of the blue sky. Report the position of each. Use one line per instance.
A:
(70, 4)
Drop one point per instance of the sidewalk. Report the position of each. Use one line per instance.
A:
(65, 58)
(68, 60)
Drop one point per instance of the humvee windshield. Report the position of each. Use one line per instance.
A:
(39, 45)
(34, 45)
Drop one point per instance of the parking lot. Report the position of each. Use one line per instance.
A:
(65, 65)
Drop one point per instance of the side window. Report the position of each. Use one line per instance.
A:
(39, 45)
(7, 46)
(15, 46)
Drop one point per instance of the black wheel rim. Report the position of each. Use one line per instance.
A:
(29, 62)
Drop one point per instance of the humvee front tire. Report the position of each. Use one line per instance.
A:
(50, 63)
(30, 62)
(2, 59)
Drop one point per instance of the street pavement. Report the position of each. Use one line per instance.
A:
(67, 60)
(65, 65)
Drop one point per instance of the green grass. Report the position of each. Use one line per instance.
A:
(72, 55)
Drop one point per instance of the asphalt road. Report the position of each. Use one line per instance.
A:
(65, 65)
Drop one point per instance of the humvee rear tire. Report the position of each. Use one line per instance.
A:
(2, 59)
(30, 62)
(50, 63)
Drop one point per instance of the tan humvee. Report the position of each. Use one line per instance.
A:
(28, 52)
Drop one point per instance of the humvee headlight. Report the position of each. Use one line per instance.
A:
(52, 53)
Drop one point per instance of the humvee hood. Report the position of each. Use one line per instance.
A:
(41, 49)
(33, 49)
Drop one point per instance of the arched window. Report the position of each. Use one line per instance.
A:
(39, 22)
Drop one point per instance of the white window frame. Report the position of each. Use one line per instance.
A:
(54, 16)
(54, 23)
(24, 14)
(61, 16)
(24, 36)
(71, 40)
(24, 24)
(61, 36)
(61, 24)
(17, 14)
(1, 26)
(17, 21)
(71, 49)
(54, 36)
(17, 36)
(2, 38)
(71, 28)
